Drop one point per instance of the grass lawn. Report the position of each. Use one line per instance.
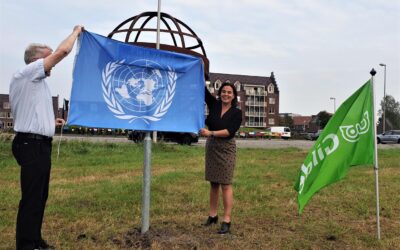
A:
(95, 201)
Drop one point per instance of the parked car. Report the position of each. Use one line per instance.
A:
(181, 138)
(313, 136)
(282, 132)
(391, 136)
(135, 135)
(241, 134)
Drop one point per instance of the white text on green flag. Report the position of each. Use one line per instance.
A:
(347, 140)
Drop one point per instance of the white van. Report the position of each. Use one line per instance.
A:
(282, 132)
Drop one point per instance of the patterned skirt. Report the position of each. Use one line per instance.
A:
(220, 160)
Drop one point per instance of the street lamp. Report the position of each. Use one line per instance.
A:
(384, 97)
(334, 104)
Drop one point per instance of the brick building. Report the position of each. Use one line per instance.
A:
(6, 118)
(301, 123)
(258, 97)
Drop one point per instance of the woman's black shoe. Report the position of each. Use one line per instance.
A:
(43, 245)
(211, 220)
(225, 228)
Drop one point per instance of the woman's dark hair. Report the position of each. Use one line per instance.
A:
(235, 100)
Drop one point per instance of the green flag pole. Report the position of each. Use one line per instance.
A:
(378, 226)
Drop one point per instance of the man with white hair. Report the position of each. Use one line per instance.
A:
(34, 124)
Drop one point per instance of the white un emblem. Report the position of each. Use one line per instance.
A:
(141, 91)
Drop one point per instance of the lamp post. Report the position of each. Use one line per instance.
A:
(384, 97)
(334, 104)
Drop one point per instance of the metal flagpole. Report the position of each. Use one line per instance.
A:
(378, 226)
(146, 184)
(157, 47)
(147, 158)
(158, 24)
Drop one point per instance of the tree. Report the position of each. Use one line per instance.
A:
(392, 111)
(323, 118)
(286, 121)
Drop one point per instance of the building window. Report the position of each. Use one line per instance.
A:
(271, 100)
(210, 87)
(6, 105)
(9, 124)
(271, 110)
(217, 84)
(271, 88)
(237, 85)
(9, 115)
(3, 114)
(271, 121)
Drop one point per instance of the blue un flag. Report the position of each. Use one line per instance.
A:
(118, 85)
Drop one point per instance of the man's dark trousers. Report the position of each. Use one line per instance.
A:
(34, 156)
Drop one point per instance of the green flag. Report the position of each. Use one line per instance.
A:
(347, 140)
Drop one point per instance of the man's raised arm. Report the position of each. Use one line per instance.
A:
(63, 49)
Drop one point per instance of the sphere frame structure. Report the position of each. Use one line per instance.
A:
(135, 27)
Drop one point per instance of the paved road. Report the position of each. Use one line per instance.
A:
(241, 143)
(278, 143)
(265, 143)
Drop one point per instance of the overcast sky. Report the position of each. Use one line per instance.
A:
(316, 49)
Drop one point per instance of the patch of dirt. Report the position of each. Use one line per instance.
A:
(169, 237)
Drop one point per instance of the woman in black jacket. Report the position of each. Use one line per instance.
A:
(223, 121)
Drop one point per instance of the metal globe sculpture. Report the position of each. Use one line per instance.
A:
(175, 35)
